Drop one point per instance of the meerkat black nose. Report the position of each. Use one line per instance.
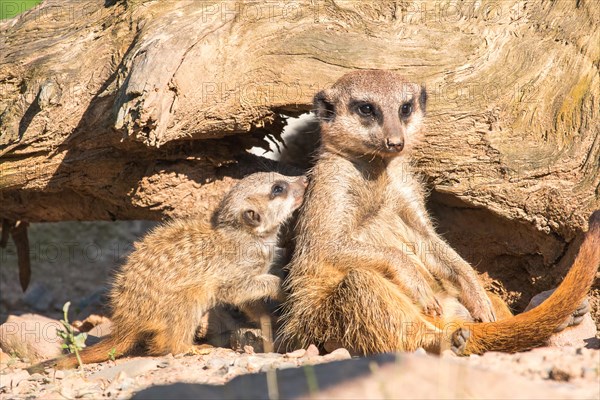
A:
(394, 144)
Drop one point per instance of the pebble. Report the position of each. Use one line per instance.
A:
(4, 358)
(420, 352)
(285, 364)
(163, 364)
(72, 385)
(215, 363)
(37, 377)
(312, 350)
(338, 354)
(13, 379)
(235, 370)
(559, 374)
(132, 368)
(121, 382)
(296, 353)
(241, 362)
(31, 336)
(24, 387)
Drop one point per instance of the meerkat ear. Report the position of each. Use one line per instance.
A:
(323, 106)
(423, 98)
(251, 217)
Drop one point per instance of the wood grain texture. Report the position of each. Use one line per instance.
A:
(145, 109)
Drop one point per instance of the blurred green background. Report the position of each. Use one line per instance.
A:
(10, 8)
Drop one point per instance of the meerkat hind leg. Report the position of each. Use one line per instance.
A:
(577, 317)
(372, 315)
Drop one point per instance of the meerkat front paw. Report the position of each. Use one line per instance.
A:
(428, 302)
(272, 286)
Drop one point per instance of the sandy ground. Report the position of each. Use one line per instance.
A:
(72, 262)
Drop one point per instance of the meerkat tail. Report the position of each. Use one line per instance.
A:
(96, 353)
(532, 328)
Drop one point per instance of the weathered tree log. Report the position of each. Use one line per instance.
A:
(139, 110)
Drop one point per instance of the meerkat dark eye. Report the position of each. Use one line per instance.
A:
(406, 110)
(278, 189)
(366, 109)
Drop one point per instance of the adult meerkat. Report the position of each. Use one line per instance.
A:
(369, 271)
(186, 267)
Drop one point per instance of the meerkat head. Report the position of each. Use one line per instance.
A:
(371, 113)
(260, 203)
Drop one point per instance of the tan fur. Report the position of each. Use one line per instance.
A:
(186, 267)
(369, 271)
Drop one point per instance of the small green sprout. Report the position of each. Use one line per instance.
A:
(112, 354)
(72, 342)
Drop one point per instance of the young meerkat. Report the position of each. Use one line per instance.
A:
(369, 271)
(184, 268)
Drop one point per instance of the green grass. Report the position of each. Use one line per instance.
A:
(11, 8)
(72, 342)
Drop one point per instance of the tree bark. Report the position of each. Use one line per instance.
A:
(143, 109)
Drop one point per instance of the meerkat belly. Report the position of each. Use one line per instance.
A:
(387, 229)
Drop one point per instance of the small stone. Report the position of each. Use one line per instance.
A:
(312, 360)
(235, 371)
(49, 394)
(420, 351)
(256, 363)
(37, 377)
(560, 375)
(59, 374)
(216, 363)
(575, 335)
(31, 336)
(338, 354)
(200, 350)
(312, 350)
(24, 387)
(132, 368)
(285, 364)
(296, 353)
(119, 383)
(12, 380)
(4, 358)
(241, 362)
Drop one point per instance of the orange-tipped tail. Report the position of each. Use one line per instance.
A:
(99, 352)
(533, 328)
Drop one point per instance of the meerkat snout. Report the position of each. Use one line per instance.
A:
(395, 144)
